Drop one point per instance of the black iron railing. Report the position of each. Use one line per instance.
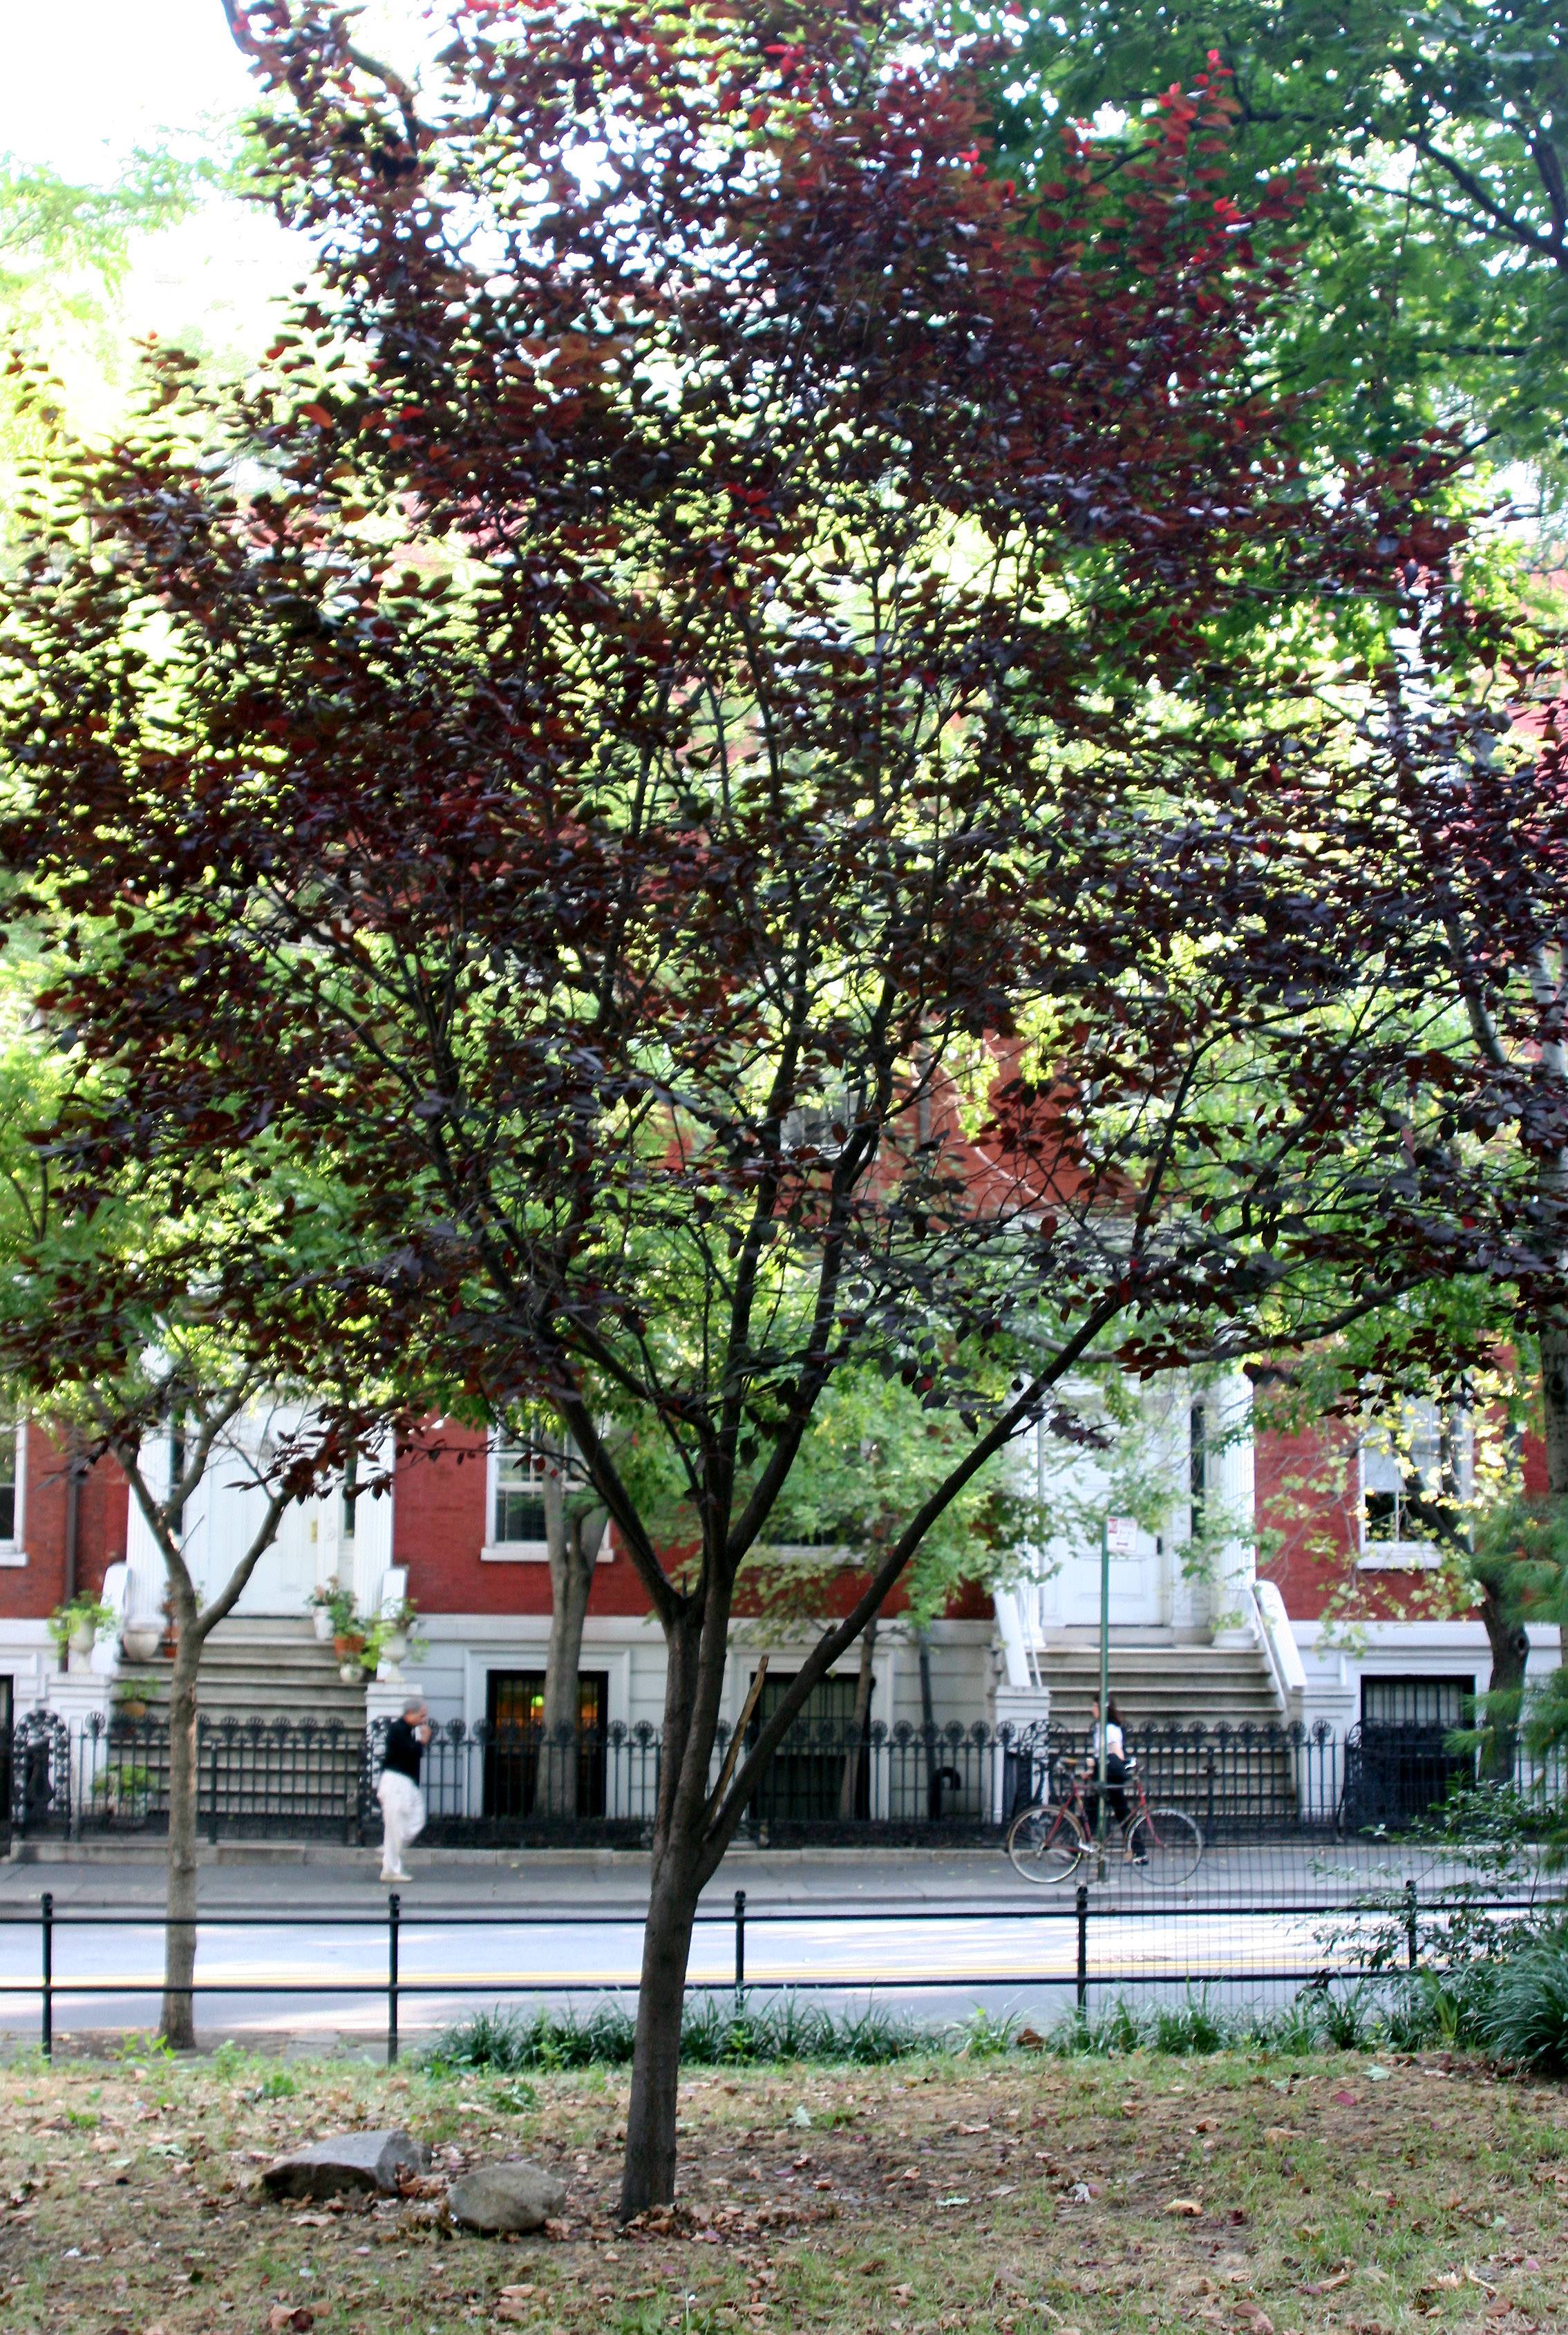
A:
(828, 1782)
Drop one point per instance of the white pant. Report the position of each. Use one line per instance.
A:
(402, 1811)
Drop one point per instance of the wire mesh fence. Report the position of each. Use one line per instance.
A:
(1095, 1971)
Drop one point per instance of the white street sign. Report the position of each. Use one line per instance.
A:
(1121, 1536)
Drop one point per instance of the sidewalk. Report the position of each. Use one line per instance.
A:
(317, 1878)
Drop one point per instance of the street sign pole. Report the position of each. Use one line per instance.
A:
(1101, 1810)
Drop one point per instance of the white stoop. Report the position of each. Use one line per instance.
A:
(1156, 1685)
(266, 1669)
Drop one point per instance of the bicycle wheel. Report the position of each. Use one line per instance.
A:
(1045, 1844)
(1166, 1846)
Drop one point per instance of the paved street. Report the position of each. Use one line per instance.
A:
(934, 1935)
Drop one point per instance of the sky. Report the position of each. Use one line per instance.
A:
(86, 81)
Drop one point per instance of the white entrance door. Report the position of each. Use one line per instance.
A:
(1137, 1587)
(221, 1519)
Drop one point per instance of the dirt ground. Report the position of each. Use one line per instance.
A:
(1258, 2195)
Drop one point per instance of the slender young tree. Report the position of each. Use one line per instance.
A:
(727, 743)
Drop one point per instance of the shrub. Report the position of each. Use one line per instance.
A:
(716, 2031)
(1525, 2018)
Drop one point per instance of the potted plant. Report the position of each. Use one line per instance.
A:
(74, 1628)
(391, 1642)
(132, 1698)
(331, 1611)
(396, 1627)
(140, 1641)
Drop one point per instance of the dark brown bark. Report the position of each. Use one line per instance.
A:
(1553, 1334)
(849, 1785)
(1510, 1644)
(648, 2178)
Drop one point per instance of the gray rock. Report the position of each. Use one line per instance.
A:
(511, 2196)
(372, 2161)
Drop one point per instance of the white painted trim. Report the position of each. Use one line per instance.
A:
(14, 1550)
(1398, 1556)
(515, 1552)
(529, 1654)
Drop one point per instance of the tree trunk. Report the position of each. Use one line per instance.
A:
(574, 1543)
(928, 1729)
(1553, 1332)
(1510, 1644)
(849, 1784)
(648, 2178)
(178, 2024)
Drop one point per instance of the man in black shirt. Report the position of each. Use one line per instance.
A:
(402, 1804)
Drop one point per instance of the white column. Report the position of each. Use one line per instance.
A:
(1230, 1489)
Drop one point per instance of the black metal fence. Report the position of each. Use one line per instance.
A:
(829, 1782)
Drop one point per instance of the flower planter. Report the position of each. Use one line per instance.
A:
(84, 1637)
(345, 1647)
(140, 1641)
(322, 1620)
(351, 1674)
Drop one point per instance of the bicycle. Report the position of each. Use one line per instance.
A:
(1049, 1841)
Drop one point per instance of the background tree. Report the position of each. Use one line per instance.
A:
(737, 782)
(1434, 282)
(123, 1326)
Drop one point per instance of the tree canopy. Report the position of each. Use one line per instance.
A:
(732, 745)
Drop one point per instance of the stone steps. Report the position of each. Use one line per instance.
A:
(266, 1669)
(1163, 1685)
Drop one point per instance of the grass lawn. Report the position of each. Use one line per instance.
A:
(1244, 2192)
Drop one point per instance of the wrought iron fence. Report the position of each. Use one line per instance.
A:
(829, 1781)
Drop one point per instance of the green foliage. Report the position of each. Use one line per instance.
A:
(715, 2031)
(83, 1612)
(1524, 2019)
(1437, 242)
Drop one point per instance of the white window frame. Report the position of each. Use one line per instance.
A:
(516, 1552)
(14, 1550)
(505, 1552)
(1387, 1556)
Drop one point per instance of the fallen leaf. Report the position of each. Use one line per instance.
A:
(310, 2221)
(1255, 2321)
(1327, 2285)
(1184, 2205)
(869, 2269)
(518, 2294)
(1278, 2135)
(1346, 2100)
(1028, 2039)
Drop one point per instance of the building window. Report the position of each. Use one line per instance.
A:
(1408, 1463)
(516, 1498)
(1197, 1464)
(350, 1489)
(13, 1444)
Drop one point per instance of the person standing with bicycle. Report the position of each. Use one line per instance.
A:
(1115, 1765)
